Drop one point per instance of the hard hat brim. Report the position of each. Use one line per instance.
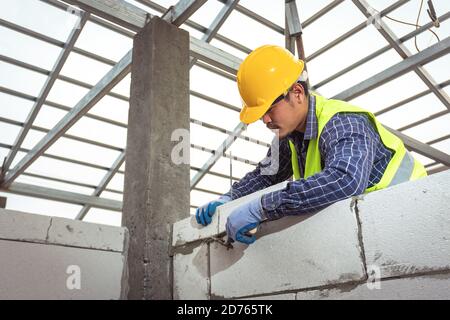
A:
(253, 114)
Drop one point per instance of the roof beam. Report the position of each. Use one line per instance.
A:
(214, 56)
(87, 54)
(103, 184)
(70, 80)
(60, 106)
(52, 41)
(5, 146)
(216, 24)
(125, 14)
(223, 130)
(101, 22)
(197, 27)
(354, 30)
(68, 136)
(424, 120)
(217, 154)
(155, 7)
(438, 169)
(48, 85)
(119, 124)
(294, 27)
(63, 196)
(72, 197)
(258, 18)
(289, 41)
(74, 183)
(410, 99)
(435, 51)
(60, 158)
(403, 51)
(114, 76)
(120, 10)
(222, 154)
(377, 53)
(422, 148)
(294, 32)
(130, 14)
(437, 140)
(117, 11)
(180, 12)
(69, 182)
(321, 12)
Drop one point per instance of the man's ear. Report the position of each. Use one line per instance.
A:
(299, 92)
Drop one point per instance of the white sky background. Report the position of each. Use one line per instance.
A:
(58, 24)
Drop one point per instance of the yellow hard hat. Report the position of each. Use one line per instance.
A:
(267, 72)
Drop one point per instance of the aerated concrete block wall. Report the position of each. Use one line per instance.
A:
(389, 244)
(45, 257)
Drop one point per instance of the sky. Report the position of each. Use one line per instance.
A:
(57, 24)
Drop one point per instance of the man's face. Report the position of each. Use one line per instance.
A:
(288, 115)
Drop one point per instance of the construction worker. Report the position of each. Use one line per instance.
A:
(332, 149)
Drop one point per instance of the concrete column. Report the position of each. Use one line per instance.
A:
(156, 190)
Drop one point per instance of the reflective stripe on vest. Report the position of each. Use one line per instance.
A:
(401, 168)
(404, 171)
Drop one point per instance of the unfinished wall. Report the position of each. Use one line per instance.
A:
(390, 244)
(45, 257)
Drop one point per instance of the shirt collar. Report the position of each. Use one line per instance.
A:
(311, 121)
(311, 129)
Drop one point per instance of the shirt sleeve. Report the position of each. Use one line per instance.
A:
(347, 146)
(274, 168)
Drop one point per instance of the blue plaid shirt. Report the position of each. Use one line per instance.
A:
(353, 159)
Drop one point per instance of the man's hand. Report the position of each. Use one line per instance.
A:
(205, 212)
(243, 219)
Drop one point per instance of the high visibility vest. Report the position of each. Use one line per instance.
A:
(402, 167)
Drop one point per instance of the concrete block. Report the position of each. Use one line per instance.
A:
(291, 253)
(86, 235)
(188, 230)
(406, 228)
(225, 210)
(191, 279)
(39, 271)
(16, 225)
(430, 287)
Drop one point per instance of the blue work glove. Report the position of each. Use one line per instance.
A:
(244, 219)
(205, 212)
